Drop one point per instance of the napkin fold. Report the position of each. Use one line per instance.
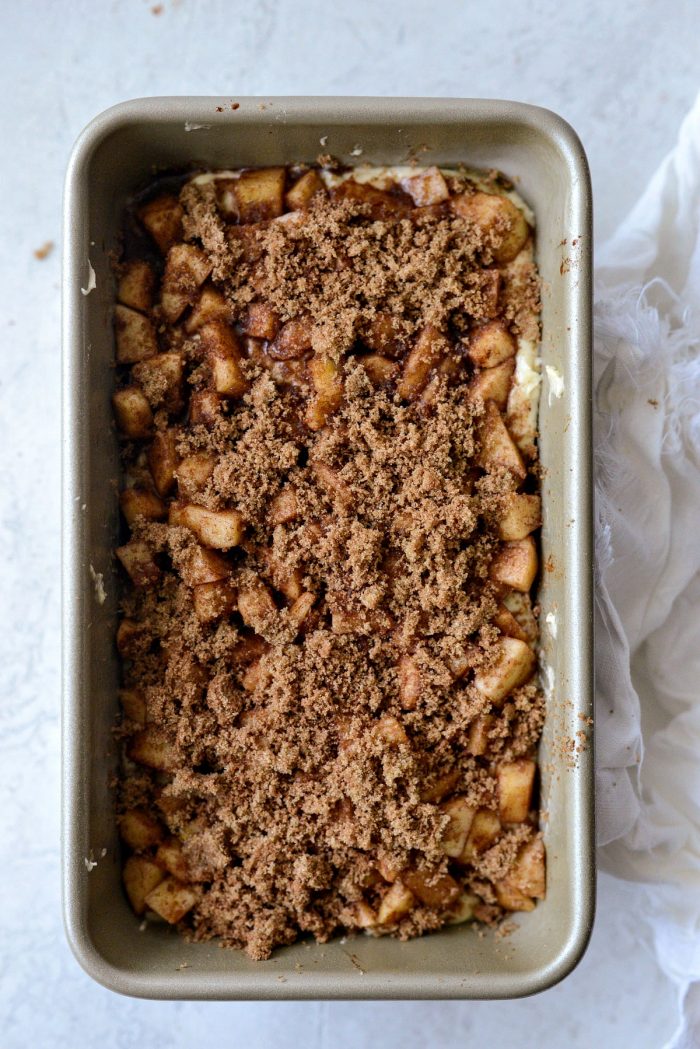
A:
(647, 463)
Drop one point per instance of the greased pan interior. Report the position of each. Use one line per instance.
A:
(117, 154)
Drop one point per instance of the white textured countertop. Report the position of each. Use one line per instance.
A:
(623, 75)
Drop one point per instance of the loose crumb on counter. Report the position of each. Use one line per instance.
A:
(44, 251)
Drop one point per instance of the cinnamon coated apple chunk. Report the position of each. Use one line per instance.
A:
(330, 705)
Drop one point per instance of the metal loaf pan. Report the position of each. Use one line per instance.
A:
(117, 154)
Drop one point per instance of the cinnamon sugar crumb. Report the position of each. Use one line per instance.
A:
(295, 758)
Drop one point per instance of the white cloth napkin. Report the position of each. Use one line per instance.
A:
(647, 447)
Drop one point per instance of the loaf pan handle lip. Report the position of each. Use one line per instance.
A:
(198, 113)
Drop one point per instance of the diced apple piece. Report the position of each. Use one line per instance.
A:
(483, 833)
(161, 378)
(462, 910)
(521, 419)
(205, 408)
(427, 187)
(136, 283)
(511, 898)
(508, 624)
(210, 306)
(220, 346)
(520, 607)
(478, 742)
(529, 875)
(304, 190)
(493, 384)
(139, 830)
(382, 205)
(133, 412)
(139, 502)
(502, 224)
(130, 635)
(140, 877)
(284, 507)
(261, 321)
(219, 529)
(447, 369)
(291, 374)
(155, 748)
(175, 511)
(133, 704)
(300, 609)
(363, 916)
(135, 336)
(256, 605)
(390, 730)
(243, 238)
(387, 870)
(163, 461)
(172, 899)
(137, 560)
(429, 349)
(515, 564)
(521, 515)
(384, 335)
(162, 217)
(228, 209)
(186, 269)
(248, 648)
(490, 345)
(461, 659)
(205, 566)
(515, 783)
(515, 664)
(193, 472)
(293, 340)
(170, 807)
(213, 600)
(171, 858)
(380, 370)
(287, 580)
(498, 450)
(431, 888)
(429, 396)
(410, 685)
(442, 786)
(252, 676)
(256, 351)
(461, 815)
(328, 391)
(332, 483)
(192, 827)
(258, 195)
(397, 902)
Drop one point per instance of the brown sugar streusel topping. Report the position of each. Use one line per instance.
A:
(330, 710)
